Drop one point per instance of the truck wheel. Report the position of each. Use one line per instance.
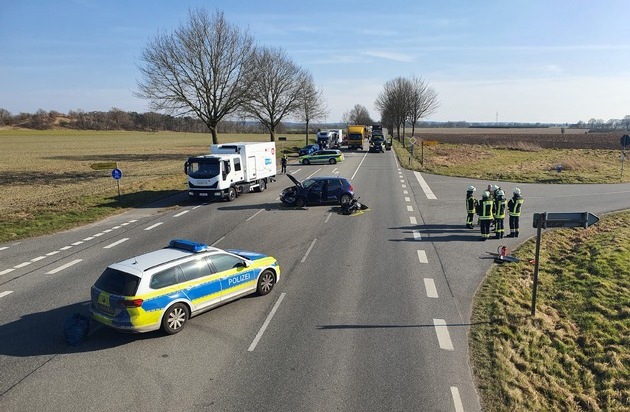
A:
(262, 185)
(332, 161)
(231, 194)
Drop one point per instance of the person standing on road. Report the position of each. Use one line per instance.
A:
(283, 161)
(485, 210)
(500, 207)
(514, 209)
(471, 207)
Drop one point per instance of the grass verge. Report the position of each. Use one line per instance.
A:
(574, 355)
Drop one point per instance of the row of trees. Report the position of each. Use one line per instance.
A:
(210, 69)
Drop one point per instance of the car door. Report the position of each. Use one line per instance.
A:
(202, 284)
(314, 193)
(236, 277)
(335, 190)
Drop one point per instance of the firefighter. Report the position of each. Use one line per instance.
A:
(514, 210)
(485, 210)
(471, 207)
(500, 207)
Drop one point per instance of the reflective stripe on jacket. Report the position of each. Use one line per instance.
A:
(514, 206)
(485, 210)
(471, 204)
(501, 207)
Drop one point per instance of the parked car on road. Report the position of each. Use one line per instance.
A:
(318, 190)
(164, 288)
(331, 156)
(308, 149)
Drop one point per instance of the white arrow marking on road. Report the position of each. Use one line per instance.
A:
(66, 266)
(116, 243)
(444, 339)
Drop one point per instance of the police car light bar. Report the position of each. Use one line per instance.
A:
(188, 245)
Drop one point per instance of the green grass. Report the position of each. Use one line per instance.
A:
(52, 187)
(575, 354)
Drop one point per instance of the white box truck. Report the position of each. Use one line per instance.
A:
(231, 169)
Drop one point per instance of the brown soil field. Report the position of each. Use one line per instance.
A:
(607, 141)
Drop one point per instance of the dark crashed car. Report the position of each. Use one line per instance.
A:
(321, 190)
(308, 149)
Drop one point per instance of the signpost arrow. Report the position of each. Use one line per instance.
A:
(565, 219)
(550, 220)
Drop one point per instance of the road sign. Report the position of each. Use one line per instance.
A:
(104, 166)
(570, 219)
(625, 141)
(116, 173)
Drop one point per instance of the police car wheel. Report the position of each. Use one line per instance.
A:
(266, 280)
(174, 319)
(305, 162)
(231, 194)
(332, 161)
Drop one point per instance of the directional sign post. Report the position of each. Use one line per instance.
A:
(551, 220)
(117, 174)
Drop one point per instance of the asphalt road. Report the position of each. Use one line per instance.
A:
(371, 312)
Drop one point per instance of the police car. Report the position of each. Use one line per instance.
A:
(164, 288)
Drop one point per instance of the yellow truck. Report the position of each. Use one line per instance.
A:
(356, 136)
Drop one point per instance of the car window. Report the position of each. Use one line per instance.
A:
(223, 262)
(118, 282)
(307, 183)
(165, 278)
(334, 184)
(195, 269)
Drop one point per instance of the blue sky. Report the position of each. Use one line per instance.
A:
(527, 61)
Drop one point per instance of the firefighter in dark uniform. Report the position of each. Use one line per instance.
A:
(500, 207)
(471, 207)
(485, 210)
(514, 210)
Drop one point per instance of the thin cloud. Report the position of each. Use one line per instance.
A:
(398, 57)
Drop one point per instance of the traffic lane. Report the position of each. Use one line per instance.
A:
(233, 321)
(345, 317)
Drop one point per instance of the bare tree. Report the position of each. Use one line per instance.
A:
(394, 103)
(199, 69)
(275, 88)
(423, 102)
(358, 115)
(312, 105)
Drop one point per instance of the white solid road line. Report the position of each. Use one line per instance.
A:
(457, 400)
(266, 323)
(116, 243)
(309, 250)
(5, 293)
(66, 266)
(218, 240)
(328, 217)
(425, 187)
(429, 285)
(254, 215)
(444, 339)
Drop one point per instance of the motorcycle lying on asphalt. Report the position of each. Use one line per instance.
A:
(352, 206)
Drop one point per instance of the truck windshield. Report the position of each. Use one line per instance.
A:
(355, 136)
(203, 169)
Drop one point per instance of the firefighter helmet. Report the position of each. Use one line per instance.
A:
(486, 194)
(517, 191)
(500, 193)
(471, 188)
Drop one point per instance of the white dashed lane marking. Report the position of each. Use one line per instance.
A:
(5, 293)
(21, 265)
(429, 285)
(66, 266)
(254, 215)
(409, 208)
(309, 250)
(153, 226)
(457, 400)
(416, 235)
(4, 272)
(412, 220)
(181, 213)
(422, 256)
(116, 243)
(441, 330)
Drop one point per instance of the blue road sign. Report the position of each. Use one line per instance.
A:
(116, 174)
